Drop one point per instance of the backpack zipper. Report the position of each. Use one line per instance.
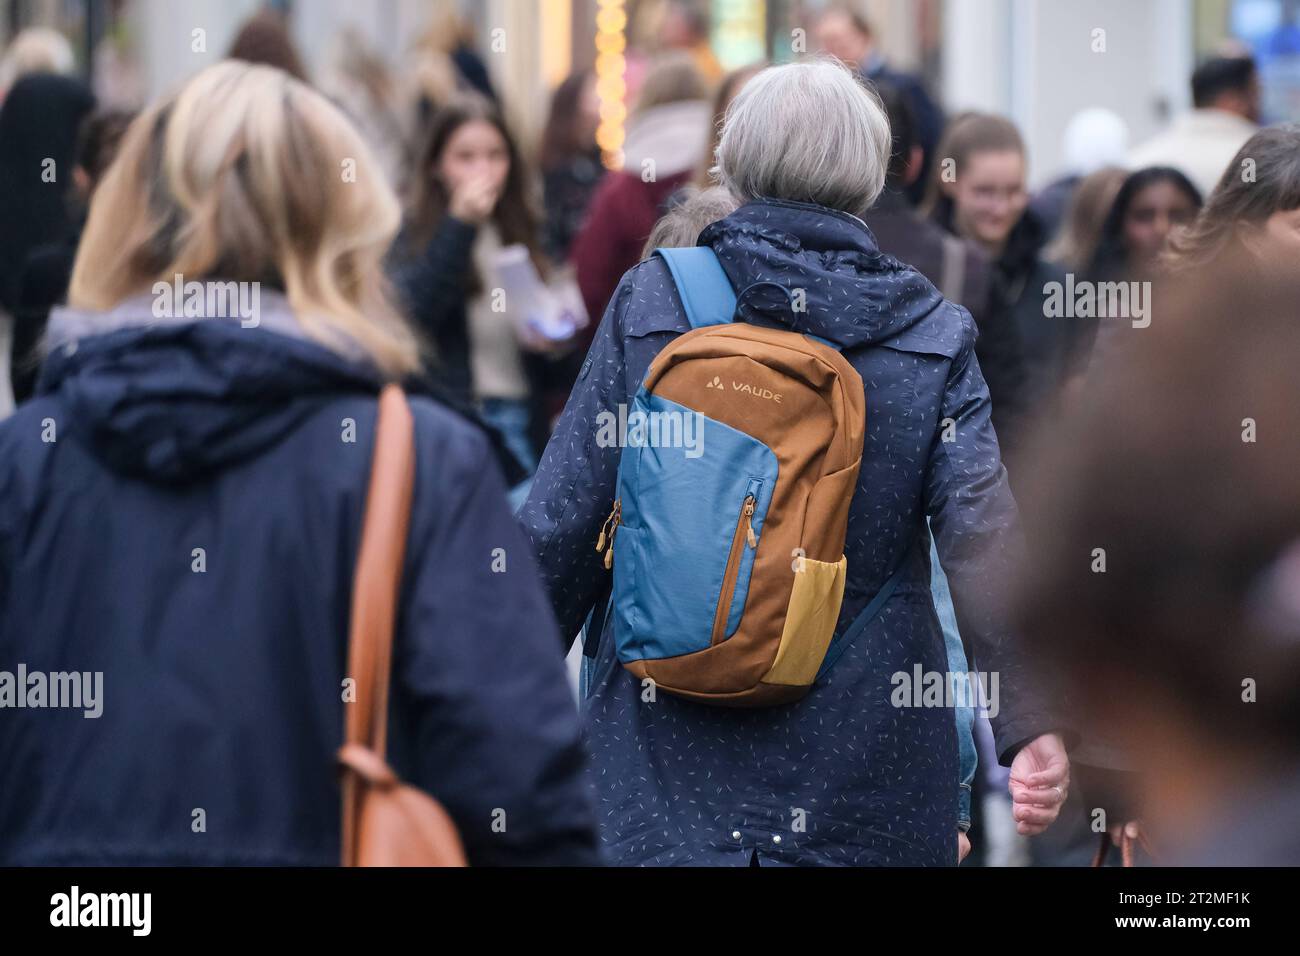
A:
(607, 532)
(743, 536)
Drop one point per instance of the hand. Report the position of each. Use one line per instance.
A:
(963, 846)
(1040, 782)
(474, 199)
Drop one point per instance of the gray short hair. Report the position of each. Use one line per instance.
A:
(809, 132)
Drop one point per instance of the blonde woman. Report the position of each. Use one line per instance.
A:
(183, 502)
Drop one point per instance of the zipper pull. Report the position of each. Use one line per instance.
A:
(600, 541)
(749, 522)
(612, 522)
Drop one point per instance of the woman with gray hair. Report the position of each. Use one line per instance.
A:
(857, 771)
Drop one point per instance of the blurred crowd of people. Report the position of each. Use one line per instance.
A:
(956, 206)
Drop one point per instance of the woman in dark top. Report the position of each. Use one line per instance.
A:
(470, 201)
(979, 192)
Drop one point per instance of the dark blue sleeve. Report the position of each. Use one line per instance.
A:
(494, 726)
(432, 284)
(573, 491)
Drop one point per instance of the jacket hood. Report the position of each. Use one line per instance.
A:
(170, 400)
(852, 293)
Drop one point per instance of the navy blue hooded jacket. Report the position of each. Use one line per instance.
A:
(843, 775)
(222, 687)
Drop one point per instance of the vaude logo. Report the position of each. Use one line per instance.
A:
(1098, 300)
(756, 390)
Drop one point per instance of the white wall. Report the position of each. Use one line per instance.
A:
(1034, 61)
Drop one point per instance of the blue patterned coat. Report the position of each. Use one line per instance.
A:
(843, 776)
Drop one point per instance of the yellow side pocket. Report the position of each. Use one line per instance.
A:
(809, 622)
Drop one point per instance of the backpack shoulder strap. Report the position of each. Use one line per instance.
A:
(705, 290)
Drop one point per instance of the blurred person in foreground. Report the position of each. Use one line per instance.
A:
(1254, 211)
(806, 148)
(1226, 113)
(204, 459)
(39, 120)
(1185, 651)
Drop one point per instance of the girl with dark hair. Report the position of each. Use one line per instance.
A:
(1151, 207)
(470, 201)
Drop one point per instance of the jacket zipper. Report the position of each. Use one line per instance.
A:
(607, 531)
(743, 537)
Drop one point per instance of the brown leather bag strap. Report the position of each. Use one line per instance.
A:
(376, 584)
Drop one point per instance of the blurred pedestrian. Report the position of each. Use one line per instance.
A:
(1253, 214)
(471, 199)
(1080, 231)
(958, 267)
(806, 148)
(43, 283)
(264, 38)
(1186, 652)
(1226, 113)
(842, 31)
(222, 456)
(666, 135)
(1150, 209)
(360, 81)
(38, 135)
(570, 160)
(982, 196)
(35, 50)
(1094, 139)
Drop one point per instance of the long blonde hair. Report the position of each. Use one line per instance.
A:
(248, 175)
